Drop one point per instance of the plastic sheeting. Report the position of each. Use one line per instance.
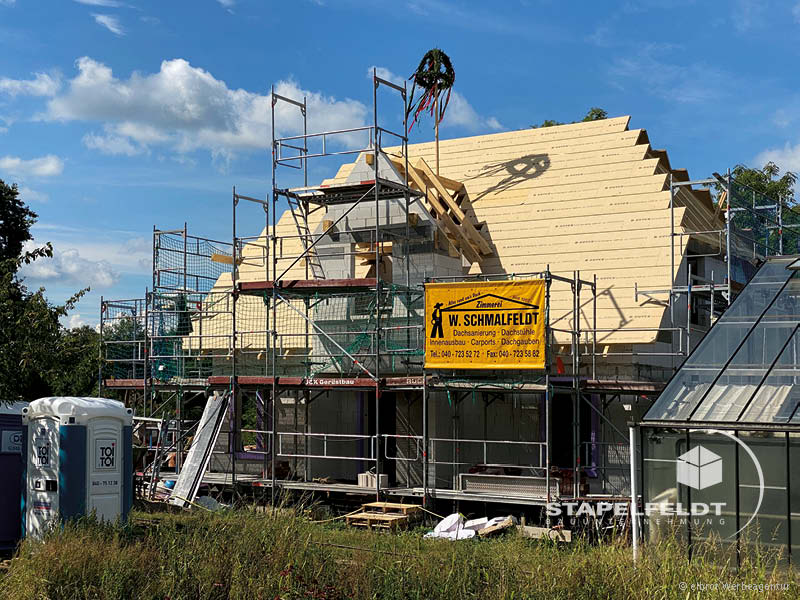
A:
(455, 527)
(200, 452)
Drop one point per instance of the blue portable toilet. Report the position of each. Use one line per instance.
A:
(11, 467)
(79, 461)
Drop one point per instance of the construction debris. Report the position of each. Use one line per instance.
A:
(538, 533)
(454, 527)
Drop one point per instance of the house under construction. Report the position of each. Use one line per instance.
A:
(310, 334)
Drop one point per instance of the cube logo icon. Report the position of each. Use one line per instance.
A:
(699, 468)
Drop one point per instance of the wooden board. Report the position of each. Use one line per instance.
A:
(508, 523)
(392, 507)
(378, 520)
(537, 533)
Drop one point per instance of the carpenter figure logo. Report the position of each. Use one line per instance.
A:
(436, 321)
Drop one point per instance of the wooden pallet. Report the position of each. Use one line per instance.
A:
(390, 516)
(378, 520)
(392, 507)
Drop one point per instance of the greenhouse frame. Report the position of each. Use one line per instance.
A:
(721, 446)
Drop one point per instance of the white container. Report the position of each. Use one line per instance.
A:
(367, 480)
(79, 461)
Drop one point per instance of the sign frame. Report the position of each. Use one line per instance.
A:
(502, 325)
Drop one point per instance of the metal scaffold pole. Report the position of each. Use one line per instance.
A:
(377, 337)
(425, 438)
(728, 219)
(234, 387)
(100, 347)
(548, 401)
(273, 335)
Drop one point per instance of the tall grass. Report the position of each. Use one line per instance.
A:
(283, 555)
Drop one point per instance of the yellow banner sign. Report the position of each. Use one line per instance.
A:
(485, 325)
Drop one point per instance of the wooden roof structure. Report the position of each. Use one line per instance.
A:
(593, 197)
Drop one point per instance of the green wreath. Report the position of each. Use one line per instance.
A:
(434, 76)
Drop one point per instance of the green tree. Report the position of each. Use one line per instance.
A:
(32, 340)
(767, 181)
(594, 114)
(757, 228)
(16, 220)
(78, 351)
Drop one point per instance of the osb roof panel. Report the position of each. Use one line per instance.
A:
(590, 196)
(587, 196)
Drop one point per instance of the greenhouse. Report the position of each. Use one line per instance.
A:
(721, 445)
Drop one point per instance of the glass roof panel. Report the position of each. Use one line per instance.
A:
(689, 385)
(756, 354)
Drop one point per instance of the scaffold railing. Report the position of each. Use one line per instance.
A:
(123, 341)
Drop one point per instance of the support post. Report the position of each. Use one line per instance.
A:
(738, 506)
(728, 219)
(634, 498)
(273, 333)
(547, 394)
(233, 424)
(100, 349)
(436, 121)
(377, 289)
(788, 499)
(671, 248)
(576, 419)
(425, 439)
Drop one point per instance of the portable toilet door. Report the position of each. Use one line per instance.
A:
(79, 461)
(11, 466)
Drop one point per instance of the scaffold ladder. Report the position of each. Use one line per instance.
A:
(300, 217)
(159, 457)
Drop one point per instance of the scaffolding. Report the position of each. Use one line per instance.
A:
(322, 314)
(723, 251)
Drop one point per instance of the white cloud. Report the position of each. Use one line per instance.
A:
(692, 83)
(76, 321)
(787, 158)
(494, 123)
(186, 108)
(108, 3)
(46, 166)
(68, 266)
(748, 14)
(8, 2)
(796, 12)
(41, 85)
(227, 3)
(386, 74)
(111, 144)
(109, 22)
(125, 251)
(460, 112)
(28, 195)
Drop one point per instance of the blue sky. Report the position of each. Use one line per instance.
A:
(116, 115)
